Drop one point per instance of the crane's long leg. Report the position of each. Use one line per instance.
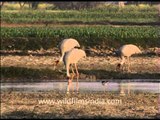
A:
(76, 69)
(69, 85)
(69, 78)
(73, 77)
(77, 83)
(73, 70)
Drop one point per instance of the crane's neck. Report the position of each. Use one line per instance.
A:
(61, 59)
(67, 68)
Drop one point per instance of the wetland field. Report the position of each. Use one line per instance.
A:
(37, 88)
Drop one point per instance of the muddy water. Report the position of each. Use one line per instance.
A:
(140, 86)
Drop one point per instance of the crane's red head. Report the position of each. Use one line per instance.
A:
(68, 77)
(56, 62)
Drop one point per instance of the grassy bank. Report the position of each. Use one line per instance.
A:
(33, 38)
(26, 105)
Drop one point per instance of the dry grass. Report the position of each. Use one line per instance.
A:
(25, 105)
(138, 64)
(15, 68)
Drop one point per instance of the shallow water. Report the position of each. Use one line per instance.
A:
(152, 87)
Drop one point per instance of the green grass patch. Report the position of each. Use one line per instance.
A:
(108, 14)
(33, 38)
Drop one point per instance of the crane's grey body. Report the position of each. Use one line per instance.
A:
(127, 51)
(72, 57)
(66, 45)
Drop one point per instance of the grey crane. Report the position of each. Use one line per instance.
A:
(71, 58)
(66, 45)
(127, 51)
